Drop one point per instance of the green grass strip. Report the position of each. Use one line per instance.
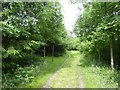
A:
(47, 71)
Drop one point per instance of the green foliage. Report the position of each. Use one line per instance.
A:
(26, 28)
(22, 75)
(32, 75)
(72, 43)
(86, 46)
(101, 75)
(96, 27)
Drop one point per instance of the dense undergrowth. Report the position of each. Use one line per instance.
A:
(22, 74)
(26, 76)
(97, 74)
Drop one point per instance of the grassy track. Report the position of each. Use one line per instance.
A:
(47, 71)
(77, 72)
(68, 76)
(81, 72)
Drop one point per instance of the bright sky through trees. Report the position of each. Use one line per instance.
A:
(70, 12)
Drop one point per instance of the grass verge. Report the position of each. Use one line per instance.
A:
(98, 76)
(47, 71)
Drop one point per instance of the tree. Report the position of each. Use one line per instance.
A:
(99, 25)
(27, 27)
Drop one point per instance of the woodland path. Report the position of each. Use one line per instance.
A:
(68, 75)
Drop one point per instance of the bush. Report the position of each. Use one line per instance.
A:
(23, 74)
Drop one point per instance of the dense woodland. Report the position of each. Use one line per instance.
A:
(32, 31)
(99, 32)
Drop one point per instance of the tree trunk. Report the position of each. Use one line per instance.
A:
(52, 52)
(111, 54)
(44, 51)
(99, 55)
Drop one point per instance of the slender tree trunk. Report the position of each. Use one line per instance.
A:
(99, 55)
(111, 44)
(52, 52)
(111, 54)
(44, 51)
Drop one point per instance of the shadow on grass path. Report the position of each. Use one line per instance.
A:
(68, 75)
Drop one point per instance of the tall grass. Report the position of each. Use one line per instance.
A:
(97, 75)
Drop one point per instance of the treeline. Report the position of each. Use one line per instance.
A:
(31, 28)
(99, 31)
